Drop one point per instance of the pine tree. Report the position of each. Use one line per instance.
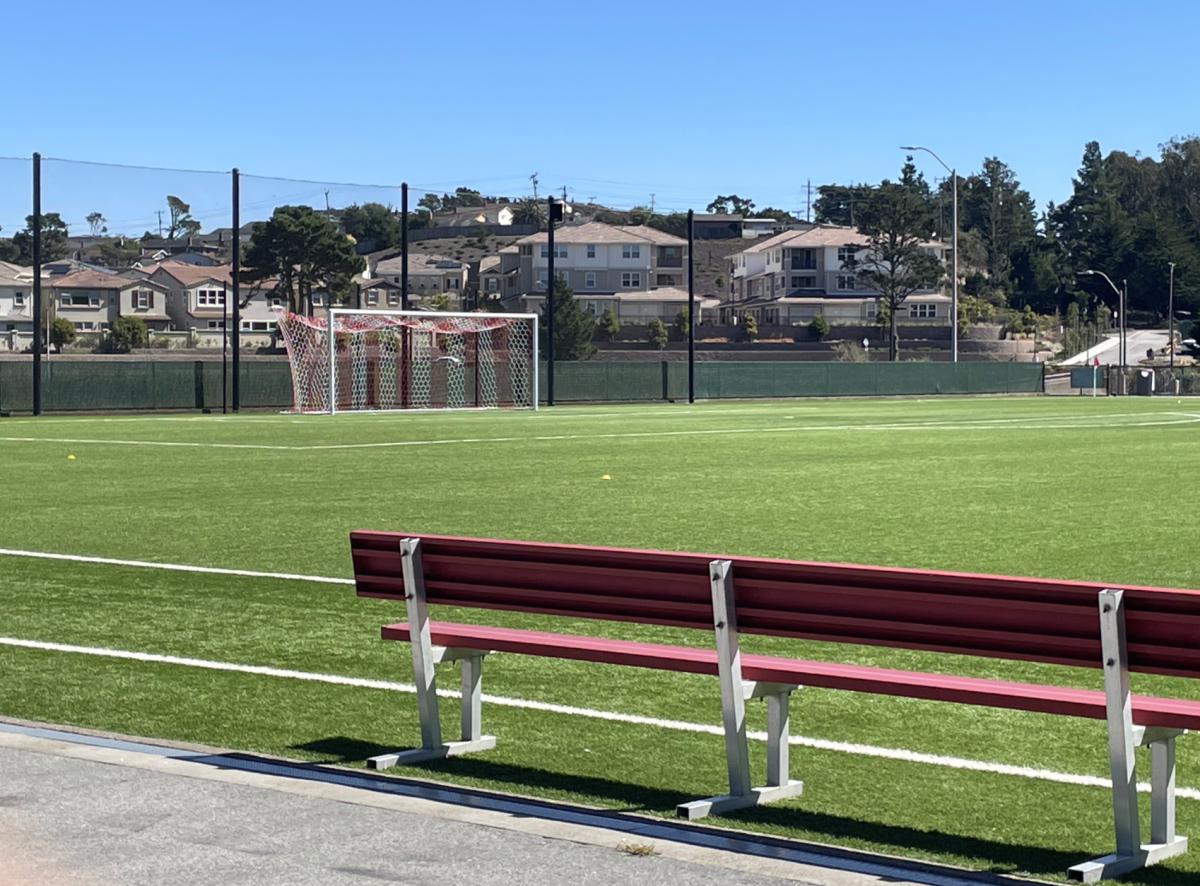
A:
(573, 329)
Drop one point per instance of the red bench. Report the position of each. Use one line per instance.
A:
(1151, 630)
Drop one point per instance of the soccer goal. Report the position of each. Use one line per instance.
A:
(379, 360)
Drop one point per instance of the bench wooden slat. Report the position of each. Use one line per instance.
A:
(1038, 698)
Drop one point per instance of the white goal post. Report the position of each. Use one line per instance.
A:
(386, 360)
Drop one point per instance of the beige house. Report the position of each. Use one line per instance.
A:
(428, 275)
(200, 298)
(793, 276)
(16, 307)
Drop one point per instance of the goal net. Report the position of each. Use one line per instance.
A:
(411, 360)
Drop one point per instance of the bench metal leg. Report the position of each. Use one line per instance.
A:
(1123, 737)
(425, 655)
(733, 715)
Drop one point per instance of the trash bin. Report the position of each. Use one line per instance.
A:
(1145, 382)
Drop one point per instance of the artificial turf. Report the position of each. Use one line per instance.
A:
(1062, 487)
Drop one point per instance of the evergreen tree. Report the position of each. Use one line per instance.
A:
(573, 329)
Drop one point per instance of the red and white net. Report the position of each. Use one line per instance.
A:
(416, 360)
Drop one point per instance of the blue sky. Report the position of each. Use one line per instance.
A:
(616, 100)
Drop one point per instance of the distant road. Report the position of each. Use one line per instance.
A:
(1137, 341)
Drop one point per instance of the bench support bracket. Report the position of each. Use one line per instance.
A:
(733, 715)
(425, 655)
(1123, 737)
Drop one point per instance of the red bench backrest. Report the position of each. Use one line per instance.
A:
(1031, 619)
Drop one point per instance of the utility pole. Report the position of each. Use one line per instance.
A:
(160, 224)
(327, 199)
(533, 178)
(652, 204)
(564, 190)
(808, 203)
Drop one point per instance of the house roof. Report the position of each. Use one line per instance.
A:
(716, 217)
(819, 236)
(188, 275)
(90, 279)
(489, 262)
(598, 232)
(418, 264)
(142, 283)
(16, 271)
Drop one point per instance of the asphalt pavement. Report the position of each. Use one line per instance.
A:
(87, 809)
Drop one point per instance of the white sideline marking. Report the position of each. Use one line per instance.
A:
(176, 567)
(612, 716)
(1027, 423)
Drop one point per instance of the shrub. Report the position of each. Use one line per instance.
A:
(819, 327)
(62, 333)
(128, 333)
(750, 327)
(656, 334)
(681, 324)
(609, 324)
(849, 352)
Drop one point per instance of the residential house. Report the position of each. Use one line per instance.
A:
(473, 216)
(92, 300)
(603, 263)
(791, 277)
(16, 307)
(200, 298)
(428, 275)
(716, 226)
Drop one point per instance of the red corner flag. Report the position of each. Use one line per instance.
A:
(1095, 361)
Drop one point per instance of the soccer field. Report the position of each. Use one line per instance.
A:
(1080, 488)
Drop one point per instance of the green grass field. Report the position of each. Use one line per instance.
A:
(1083, 488)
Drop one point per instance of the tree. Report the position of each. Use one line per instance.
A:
(722, 205)
(750, 327)
(62, 332)
(780, 215)
(656, 334)
(116, 253)
(431, 203)
(305, 251)
(54, 240)
(819, 327)
(896, 221)
(182, 224)
(994, 204)
(530, 211)
(609, 324)
(372, 224)
(836, 204)
(681, 324)
(128, 333)
(573, 329)
(96, 224)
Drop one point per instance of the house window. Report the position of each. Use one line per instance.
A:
(543, 278)
(527, 249)
(592, 308)
(277, 303)
(317, 300)
(591, 250)
(872, 310)
(19, 299)
(454, 283)
(372, 299)
(589, 279)
(631, 250)
(210, 297)
(667, 280)
(216, 324)
(804, 283)
(923, 311)
(141, 299)
(631, 280)
(258, 325)
(560, 250)
(845, 282)
(492, 284)
(846, 254)
(393, 299)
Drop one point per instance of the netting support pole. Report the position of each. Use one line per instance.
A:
(235, 275)
(549, 311)
(404, 246)
(331, 341)
(691, 311)
(37, 284)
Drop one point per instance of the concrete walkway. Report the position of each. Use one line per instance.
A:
(85, 809)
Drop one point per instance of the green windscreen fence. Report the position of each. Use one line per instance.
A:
(105, 384)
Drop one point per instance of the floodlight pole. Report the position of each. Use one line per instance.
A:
(953, 250)
(691, 309)
(1171, 314)
(37, 284)
(404, 246)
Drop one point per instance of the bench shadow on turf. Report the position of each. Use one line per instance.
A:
(633, 798)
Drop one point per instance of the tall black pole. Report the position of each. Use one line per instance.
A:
(237, 289)
(691, 311)
(1171, 313)
(550, 306)
(37, 283)
(224, 350)
(404, 246)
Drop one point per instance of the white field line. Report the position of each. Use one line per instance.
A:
(174, 567)
(1031, 423)
(611, 716)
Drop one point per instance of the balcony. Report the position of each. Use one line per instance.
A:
(803, 264)
(670, 261)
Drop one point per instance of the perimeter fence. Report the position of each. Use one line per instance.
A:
(99, 384)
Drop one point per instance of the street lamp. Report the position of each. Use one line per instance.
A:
(1171, 314)
(953, 249)
(1121, 307)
